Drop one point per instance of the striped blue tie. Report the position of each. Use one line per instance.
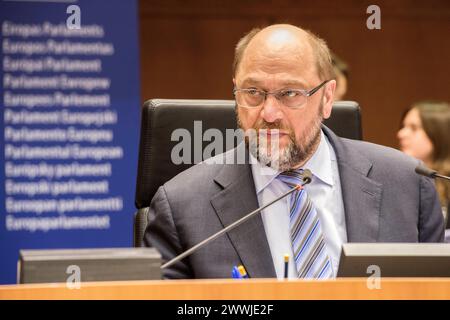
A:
(308, 243)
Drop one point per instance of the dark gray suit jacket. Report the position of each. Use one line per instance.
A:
(384, 201)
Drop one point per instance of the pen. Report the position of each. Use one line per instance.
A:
(243, 272)
(286, 265)
(235, 274)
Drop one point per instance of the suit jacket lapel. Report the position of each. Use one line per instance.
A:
(361, 195)
(238, 198)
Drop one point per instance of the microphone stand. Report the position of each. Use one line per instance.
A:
(306, 180)
(437, 175)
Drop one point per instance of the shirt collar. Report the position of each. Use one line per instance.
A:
(319, 164)
(262, 175)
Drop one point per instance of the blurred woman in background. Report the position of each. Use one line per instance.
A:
(425, 135)
(341, 71)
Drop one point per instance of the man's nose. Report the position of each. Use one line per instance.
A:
(271, 110)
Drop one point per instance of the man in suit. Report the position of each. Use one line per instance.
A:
(360, 192)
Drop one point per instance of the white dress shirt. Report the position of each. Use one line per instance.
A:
(325, 193)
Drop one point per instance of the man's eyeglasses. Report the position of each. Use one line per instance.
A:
(291, 98)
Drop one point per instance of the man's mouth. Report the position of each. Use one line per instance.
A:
(273, 138)
(272, 132)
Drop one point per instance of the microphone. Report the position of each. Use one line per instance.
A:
(306, 178)
(427, 172)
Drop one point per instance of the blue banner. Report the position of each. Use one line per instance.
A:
(70, 104)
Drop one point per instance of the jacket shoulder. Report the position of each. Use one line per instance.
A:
(201, 174)
(385, 160)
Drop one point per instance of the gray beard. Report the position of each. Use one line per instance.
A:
(293, 154)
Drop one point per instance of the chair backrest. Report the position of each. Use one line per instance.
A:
(164, 120)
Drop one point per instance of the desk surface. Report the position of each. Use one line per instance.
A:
(270, 289)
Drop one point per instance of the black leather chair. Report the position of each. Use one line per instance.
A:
(160, 117)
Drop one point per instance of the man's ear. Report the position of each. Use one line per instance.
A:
(328, 98)
(234, 82)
